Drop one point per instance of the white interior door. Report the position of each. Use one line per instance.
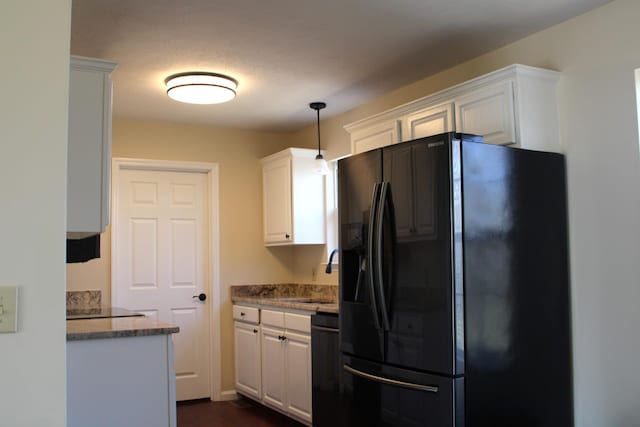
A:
(161, 253)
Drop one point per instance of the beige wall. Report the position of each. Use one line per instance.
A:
(33, 164)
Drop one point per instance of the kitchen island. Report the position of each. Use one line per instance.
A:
(120, 372)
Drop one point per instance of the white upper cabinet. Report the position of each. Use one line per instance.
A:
(488, 111)
(514, 106)
(376, 136)
(89, 151)
(429, 121)
(293, 198)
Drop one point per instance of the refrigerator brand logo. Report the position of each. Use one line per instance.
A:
(435, 144)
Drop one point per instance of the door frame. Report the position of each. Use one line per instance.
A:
(213, 242)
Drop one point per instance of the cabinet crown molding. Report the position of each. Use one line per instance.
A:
(96, 64)
(510, 72)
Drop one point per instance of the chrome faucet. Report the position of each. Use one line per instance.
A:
(328, 269)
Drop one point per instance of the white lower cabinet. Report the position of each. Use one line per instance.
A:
(286, 363)
(298, 375)
(273, 367)
(273, 359)
(247, 351)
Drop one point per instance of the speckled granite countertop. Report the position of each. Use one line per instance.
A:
(314, 298)
(91, 329)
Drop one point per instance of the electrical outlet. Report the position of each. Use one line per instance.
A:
(8, 308)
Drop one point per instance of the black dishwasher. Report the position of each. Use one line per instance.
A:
(326, 370)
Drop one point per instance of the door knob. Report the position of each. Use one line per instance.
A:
(201, 297)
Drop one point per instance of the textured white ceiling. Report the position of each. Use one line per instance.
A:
(287, 53)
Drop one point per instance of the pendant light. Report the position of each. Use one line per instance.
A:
(321, 164)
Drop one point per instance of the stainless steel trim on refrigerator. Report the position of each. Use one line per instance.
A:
(457, 255)
(420, 387)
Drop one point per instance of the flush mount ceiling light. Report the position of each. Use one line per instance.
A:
(201, 87)
(321, 163)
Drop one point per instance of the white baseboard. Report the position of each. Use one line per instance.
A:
(228, 395)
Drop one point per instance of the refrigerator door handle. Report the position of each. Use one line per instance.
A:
(382, 203)
(370, 251)
(389, 381)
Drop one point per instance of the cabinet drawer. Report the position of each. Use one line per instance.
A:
(273, 318)
(297, 322)
(246, 314)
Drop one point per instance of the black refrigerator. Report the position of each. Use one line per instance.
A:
(454, 286)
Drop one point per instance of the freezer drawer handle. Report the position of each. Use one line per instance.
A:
(325, 329)
(429, 388)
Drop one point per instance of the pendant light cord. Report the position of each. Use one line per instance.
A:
(318, 111)
(318, 106)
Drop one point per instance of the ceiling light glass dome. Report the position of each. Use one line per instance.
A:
(201, 87)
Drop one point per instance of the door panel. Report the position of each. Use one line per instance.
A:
(357, 178)
(382, 396)
(421, 334)
(160, 255)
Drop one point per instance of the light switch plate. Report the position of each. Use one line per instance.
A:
(8, 309)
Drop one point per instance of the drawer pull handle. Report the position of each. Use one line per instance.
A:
(255, 331)
(241, 313)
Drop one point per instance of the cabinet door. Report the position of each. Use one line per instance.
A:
(398, 169)
(273, 368)
(428, 122)
(247, 339)
(488, 111)
(276, 181)
(298, 375)
(89, 152)
(376, 136)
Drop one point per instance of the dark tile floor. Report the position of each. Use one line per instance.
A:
(238, 413)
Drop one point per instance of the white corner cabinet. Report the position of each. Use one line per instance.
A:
(89, 150)
(515, 105)
(273, 359)
(293, 198)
